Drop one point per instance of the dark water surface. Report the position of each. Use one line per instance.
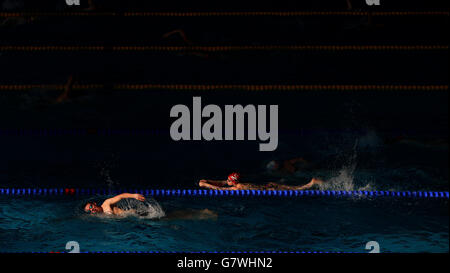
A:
(251, 224)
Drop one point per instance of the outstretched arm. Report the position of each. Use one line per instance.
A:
(117, 198)
(213, 184)
(314, 181)
(106, 206)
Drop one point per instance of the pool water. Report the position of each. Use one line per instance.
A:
(360, 150)
(243, 224)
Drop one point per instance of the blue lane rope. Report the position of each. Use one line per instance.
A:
(239, 193)
(189, 252)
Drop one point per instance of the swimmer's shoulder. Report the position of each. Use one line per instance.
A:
(116, 210)
(107, 209)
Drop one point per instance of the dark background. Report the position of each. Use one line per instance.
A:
(43, 143)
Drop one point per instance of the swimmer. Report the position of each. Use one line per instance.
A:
(233, 183)
(109, 207)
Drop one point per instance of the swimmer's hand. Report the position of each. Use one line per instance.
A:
(203, 183)
(139, 197)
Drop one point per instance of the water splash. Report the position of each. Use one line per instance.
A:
(345, 179)
(149, 209)
(106, 174)
(105, 168)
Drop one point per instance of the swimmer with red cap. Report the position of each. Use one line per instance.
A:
(233, 183)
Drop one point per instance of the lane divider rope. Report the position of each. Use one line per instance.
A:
(245, 87)
(227, 13)
(192, 252)
(238, 193)
(46, 48)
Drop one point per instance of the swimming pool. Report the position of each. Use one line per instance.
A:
(309, 223)
(351, 157)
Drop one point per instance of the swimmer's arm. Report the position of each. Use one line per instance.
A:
(111, 201)
(115, 199)
(314, 181)
(206, 184)
(212, 182)
(222, 188)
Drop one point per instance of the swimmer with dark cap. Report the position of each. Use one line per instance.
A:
(233, 183)
(109, 207)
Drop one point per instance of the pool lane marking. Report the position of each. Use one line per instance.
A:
(238, 193)
(45, 48)
(224, 13)
(243, 87)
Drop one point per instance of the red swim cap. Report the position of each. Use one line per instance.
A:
(234, 177)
